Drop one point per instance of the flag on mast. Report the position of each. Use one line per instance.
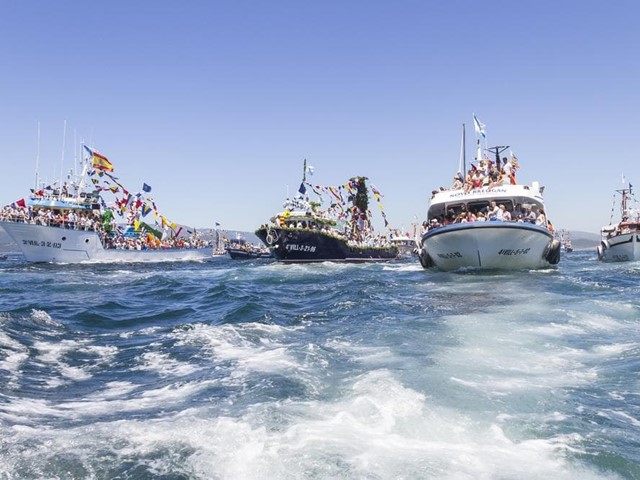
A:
(479, 127)
(99, 162)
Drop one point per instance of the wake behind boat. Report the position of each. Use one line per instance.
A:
(71, 222)
(487, 220)
(620, 241)
(343, 232)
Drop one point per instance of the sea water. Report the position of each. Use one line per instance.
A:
(260, 370)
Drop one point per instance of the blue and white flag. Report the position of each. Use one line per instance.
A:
(479, 127)
(302, 190)
(146, 188)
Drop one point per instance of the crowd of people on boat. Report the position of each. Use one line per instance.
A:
(112, 235)
(150, 242)
(487, 174)
(493, 212)
(86, 220)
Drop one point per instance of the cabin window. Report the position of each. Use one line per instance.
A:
(475, 207)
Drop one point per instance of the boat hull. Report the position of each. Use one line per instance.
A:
(304, 246)
(489, 245)
(41, 243)
(621, 248)
(240, 254)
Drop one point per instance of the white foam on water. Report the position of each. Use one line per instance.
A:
(403, 267)
(240, 344)
(12, 356)
(164, 365)
(43, 317)
(54, 352)
(377, 428)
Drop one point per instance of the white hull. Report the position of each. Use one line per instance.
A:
(41, 243)
(489, 245)
(621, 248)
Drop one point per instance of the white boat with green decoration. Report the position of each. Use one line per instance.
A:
(72, 222)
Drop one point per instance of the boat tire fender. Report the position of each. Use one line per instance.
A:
(552, 252)
(601, 249)
(269, 238)
(425, 259)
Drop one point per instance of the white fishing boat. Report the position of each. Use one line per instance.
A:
(487, 220)
(71, 222)
(620, 241)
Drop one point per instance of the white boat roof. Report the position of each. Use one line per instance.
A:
(531, 192)
(442, 200)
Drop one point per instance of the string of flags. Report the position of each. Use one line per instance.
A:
(129, 203)
(336, 195)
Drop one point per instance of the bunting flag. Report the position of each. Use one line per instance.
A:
(99, 161)
(146, 188)
(145, 210)
(314, 187)
(302, 190)
(21, 203)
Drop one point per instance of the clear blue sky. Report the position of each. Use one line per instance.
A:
(216, 103)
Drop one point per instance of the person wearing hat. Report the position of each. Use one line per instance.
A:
(458, 182)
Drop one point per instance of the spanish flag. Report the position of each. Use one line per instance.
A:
(100, 162)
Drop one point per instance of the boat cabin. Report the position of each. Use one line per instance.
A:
(448, 212)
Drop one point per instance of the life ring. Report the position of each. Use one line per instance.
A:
(269, 239)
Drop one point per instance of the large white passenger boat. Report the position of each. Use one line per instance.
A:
(71, 222)
(620, 241)
(489, 221)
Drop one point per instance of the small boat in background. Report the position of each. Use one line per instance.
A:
(406, 244)
(620, 242)
(241, 249)
(565, 241)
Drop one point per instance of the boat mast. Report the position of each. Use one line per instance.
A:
(85, 165)
(304, 171)
(37, 159)
(625, 199)
(462, 165)
(64, 141)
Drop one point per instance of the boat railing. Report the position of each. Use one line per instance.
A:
(87, 225)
